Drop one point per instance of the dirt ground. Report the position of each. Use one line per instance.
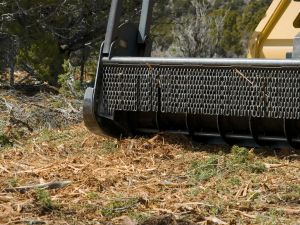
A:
(162, 179)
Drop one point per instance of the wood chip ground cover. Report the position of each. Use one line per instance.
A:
(145, 177)
(161, 179)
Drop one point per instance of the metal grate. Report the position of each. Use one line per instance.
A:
(128, 88)
(240, 91)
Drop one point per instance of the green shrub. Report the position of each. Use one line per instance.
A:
(234, 181)
(240, 155)
(4, 141)
(43, 199)
(43, 56)
(204, 170)
(12, 182)
(108, 147)
(117, 208)
(257, 167)
(69, 86)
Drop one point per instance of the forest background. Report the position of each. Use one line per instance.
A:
(52, 39)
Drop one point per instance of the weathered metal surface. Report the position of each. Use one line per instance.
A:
(226, 87)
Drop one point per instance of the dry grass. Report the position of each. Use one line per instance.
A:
(145, 177)
(140, 178)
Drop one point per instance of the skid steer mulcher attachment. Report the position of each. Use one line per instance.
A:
(249, 102)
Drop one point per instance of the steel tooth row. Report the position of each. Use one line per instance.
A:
(128, 89)
(257, 92)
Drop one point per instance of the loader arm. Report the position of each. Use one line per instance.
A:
(274, 35)
(250, 102)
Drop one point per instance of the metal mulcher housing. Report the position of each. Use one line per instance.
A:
(250, 102)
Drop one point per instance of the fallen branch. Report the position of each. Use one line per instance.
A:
(194, 204)
(29, 222)
(5, 198)
(245, 214)
(244, 76)
(24, 79)
(215, 220)
(4, 169)
(16, 121)
(274, 166)
(289, 211)
(243, 191)
(7, 105)
(50, 185)
(31, 88)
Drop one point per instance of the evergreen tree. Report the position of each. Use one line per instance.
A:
(48, 31)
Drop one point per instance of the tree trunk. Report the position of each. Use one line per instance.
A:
(81, 73)
(12, 74)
